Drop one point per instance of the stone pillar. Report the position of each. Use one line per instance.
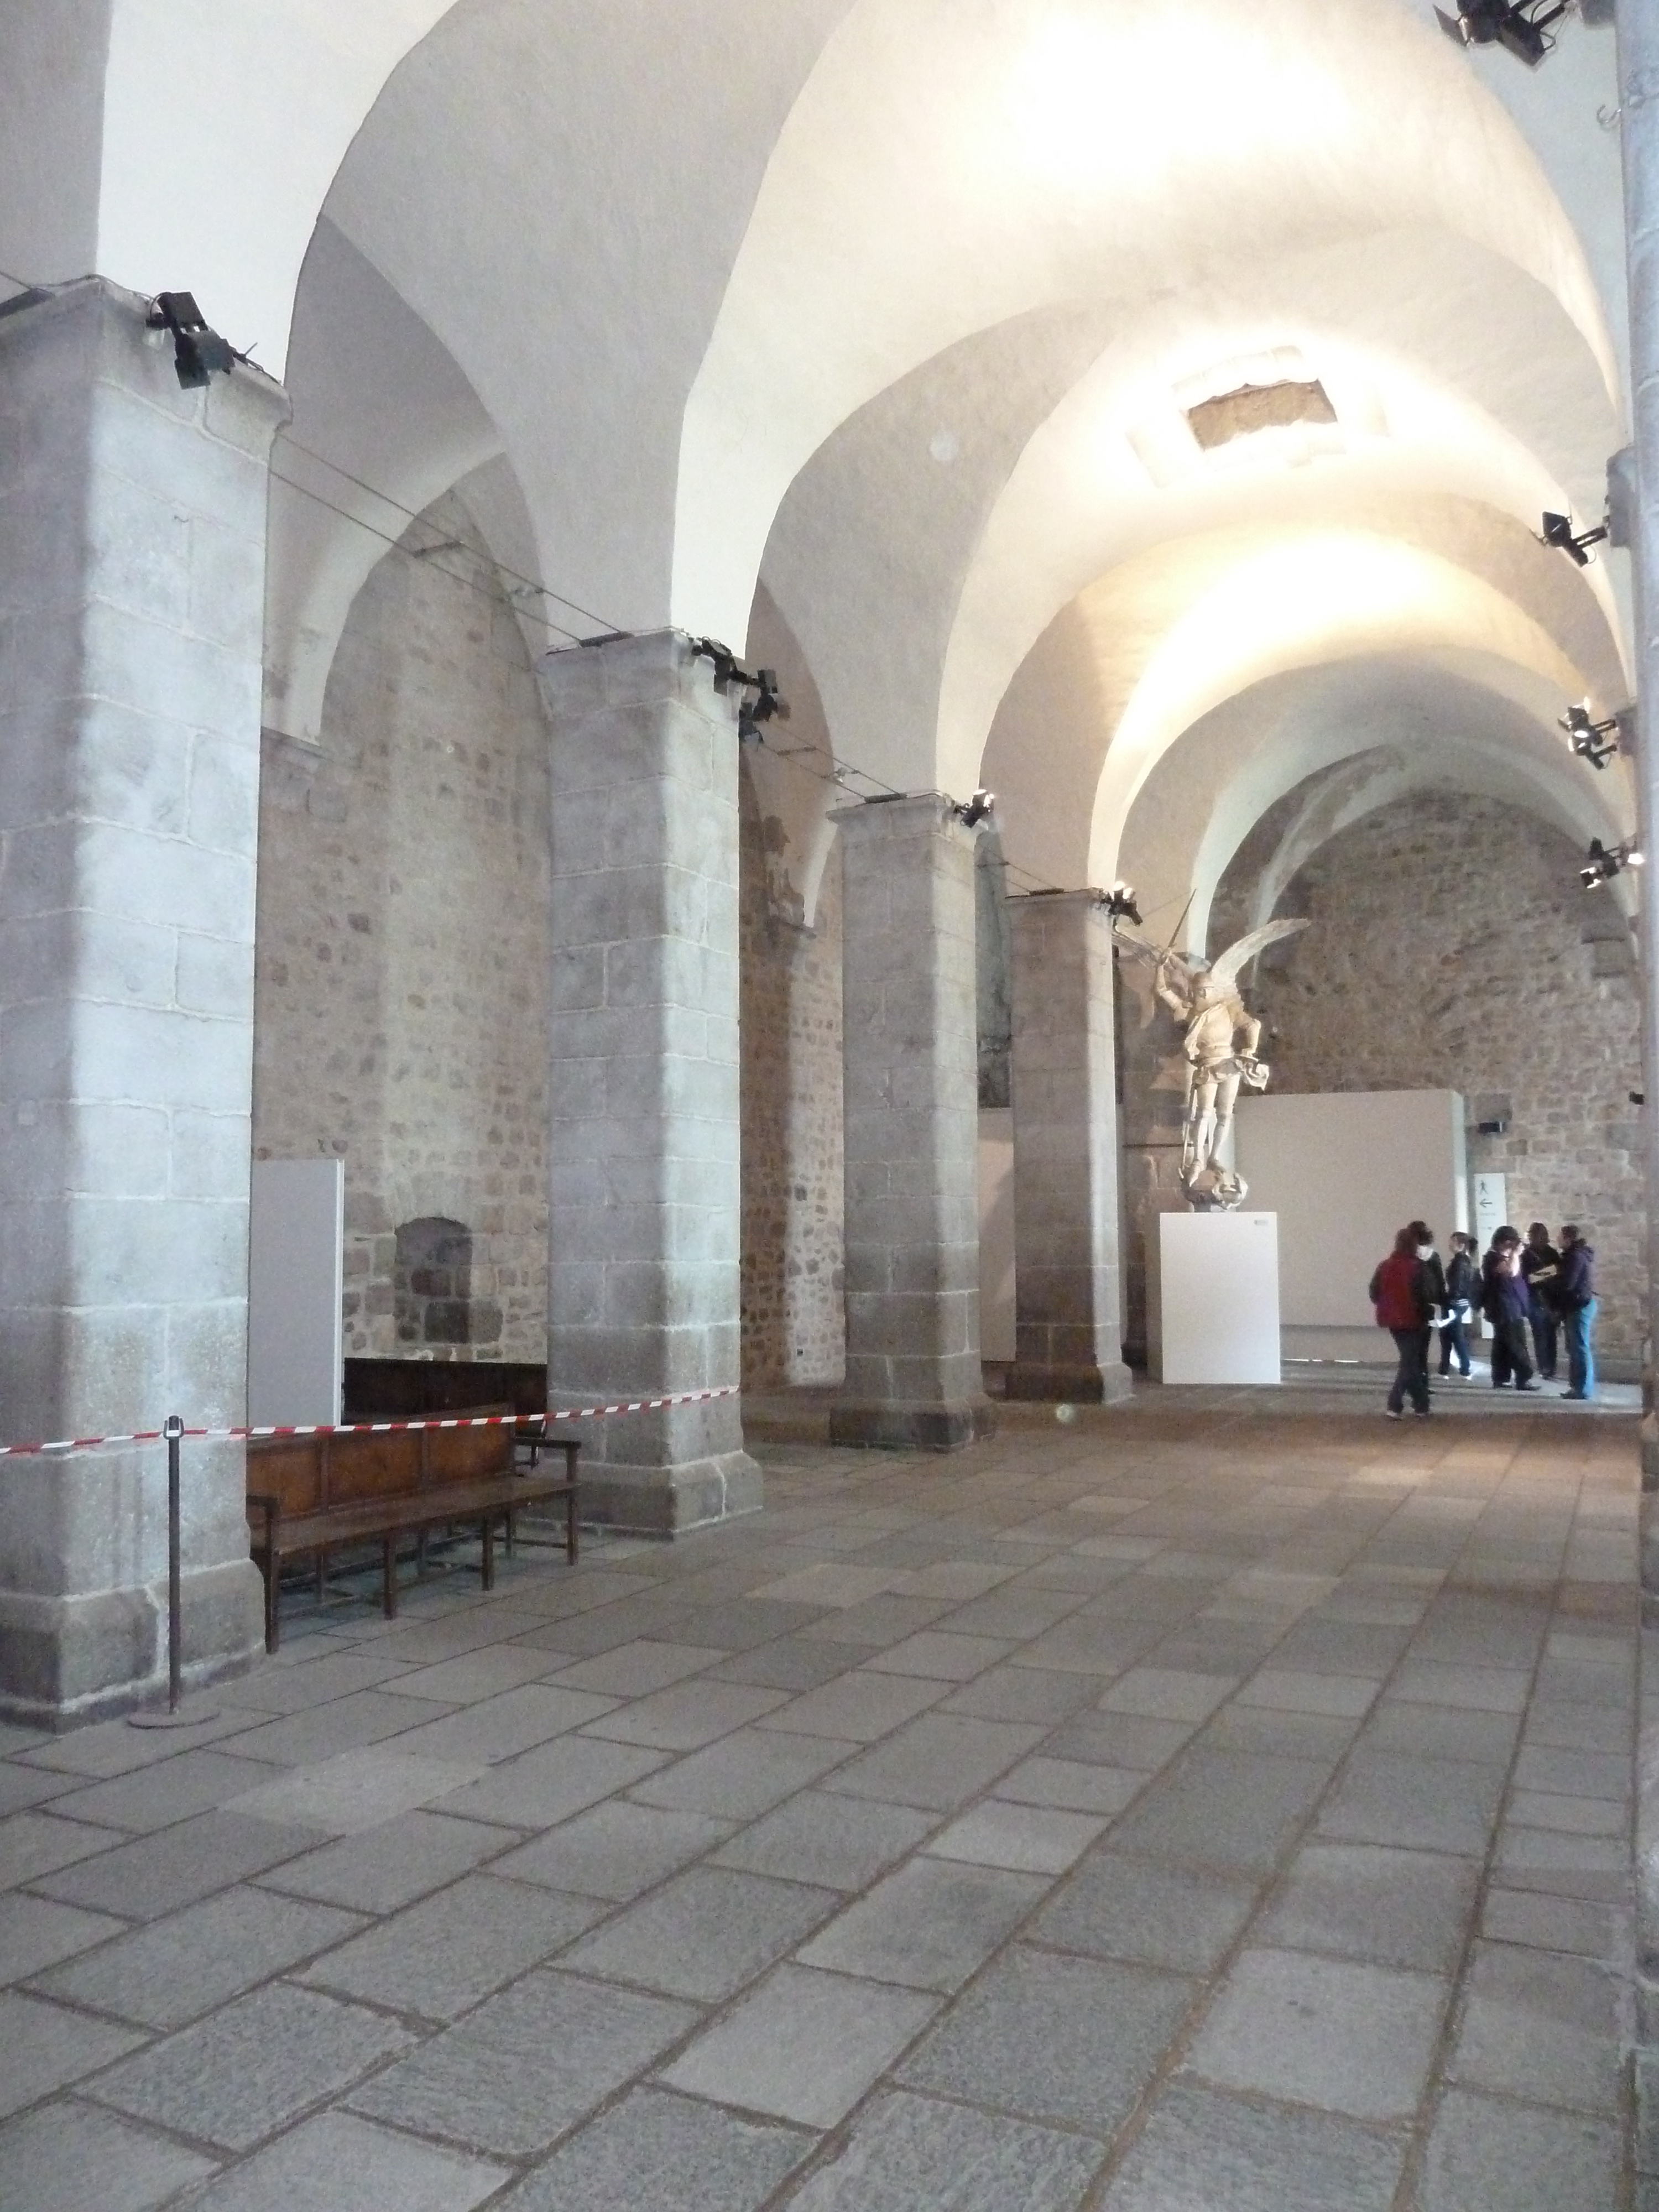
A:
(911, 1110)
(1638, 69)
(132, 545)
(1065, 1251)
(1638, 65)
(643, 1214)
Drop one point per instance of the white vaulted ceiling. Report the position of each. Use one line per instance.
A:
(894, 307)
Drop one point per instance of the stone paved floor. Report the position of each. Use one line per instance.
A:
(1182, 1811)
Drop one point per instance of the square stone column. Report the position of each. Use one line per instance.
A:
(132, 548)
(644, 1206)
(912, 1110)
(1068, 1331)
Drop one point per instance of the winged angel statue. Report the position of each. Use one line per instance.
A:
(1220, 1048)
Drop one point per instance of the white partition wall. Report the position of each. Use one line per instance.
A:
(297, 1240)
(1218, 1289)
(1344, 1170)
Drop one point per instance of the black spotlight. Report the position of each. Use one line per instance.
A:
(1521, 27)
(977, 809)
(197, 351)
(1119, 903)
(1604, 862)
(1558, 531)
(767, 704)
(1595, 742)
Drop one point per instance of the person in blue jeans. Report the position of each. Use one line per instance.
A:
(1575, 1300)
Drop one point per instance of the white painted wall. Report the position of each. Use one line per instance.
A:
(296, 1245)
(1344, 1170)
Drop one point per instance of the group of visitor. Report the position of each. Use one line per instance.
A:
(1536, 1289)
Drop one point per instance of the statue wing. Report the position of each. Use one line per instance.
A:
(1225, 971)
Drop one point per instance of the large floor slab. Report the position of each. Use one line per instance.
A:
(1202, 1804)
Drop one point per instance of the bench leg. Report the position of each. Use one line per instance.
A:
(511, 1530)
(389, 1575)
(490, 1551)
(570, 1525)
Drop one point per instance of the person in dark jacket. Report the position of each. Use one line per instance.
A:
(1504, 1302)
(1422, 1238)
(1575, 1301)
(1462, 1297)
(1403, 1291)
(1540, 1261)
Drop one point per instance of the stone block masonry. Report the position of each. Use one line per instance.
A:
(403, 944)
(912, 1109)
(644, 1203)
(132, 527)
(794, 1328)
(1067, 1342)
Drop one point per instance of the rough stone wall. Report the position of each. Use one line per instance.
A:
(403, 939)
(1453, 947)
(793, 1321)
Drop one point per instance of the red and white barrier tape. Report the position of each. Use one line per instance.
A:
(378, 1428)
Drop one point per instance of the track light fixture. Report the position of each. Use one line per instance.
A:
(1605, 862)
(1558, 531)
(977, 809)
(1595, 742)
(197, 350)
(1120, 903)
(767, 704)
(1521, 27)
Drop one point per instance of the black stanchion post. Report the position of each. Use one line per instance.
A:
(173, 1430)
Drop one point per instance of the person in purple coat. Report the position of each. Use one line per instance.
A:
(1505, 1302)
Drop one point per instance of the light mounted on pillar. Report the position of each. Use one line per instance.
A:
(1595, 742)
(1120, 903)
(767, 704)
(197, 351)
(1521, 27)
(980, 808)
(1558, 531)
(1605, 862)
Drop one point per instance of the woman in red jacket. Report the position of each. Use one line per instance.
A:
(1403, 1291)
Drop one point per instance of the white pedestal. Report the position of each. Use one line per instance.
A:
(1219, 1285)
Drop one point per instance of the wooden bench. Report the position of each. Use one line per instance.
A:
(306, 1495)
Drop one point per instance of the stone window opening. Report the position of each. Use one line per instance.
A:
(432, 1285)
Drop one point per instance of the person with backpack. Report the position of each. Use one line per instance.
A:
(1462, 1295)
(1575, 1301)
(1506, 1304)
(1403, 1291)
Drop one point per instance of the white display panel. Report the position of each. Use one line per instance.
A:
(296, 1257)
(996, 1232)
(1344, 1170)
(1219, 1276)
